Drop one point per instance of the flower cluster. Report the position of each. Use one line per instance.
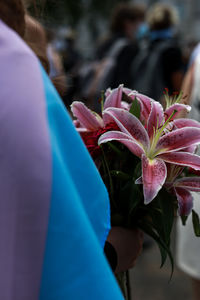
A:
(150, 132)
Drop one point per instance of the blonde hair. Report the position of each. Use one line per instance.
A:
(162, 16)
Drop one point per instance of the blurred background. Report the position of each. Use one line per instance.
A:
(90, 18)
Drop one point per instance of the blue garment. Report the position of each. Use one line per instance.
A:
(161, 34)
(74, 265)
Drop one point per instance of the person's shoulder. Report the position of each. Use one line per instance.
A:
(12, 45)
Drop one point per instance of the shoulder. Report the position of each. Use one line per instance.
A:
(22, 90)
(13, 47)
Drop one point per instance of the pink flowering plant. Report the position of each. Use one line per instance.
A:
(143, 152)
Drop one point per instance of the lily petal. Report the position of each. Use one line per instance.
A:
(182, 159)
(180, 123)
(178, 139)
(190, 149)
(154, 173)
(189, 183)
(178, 107)
(108, 92)
(86, 117)
(185, 201)
(125, 105)
(114, 98)
(123, 138)
(146, 101)
(129, 124)
(156, 118)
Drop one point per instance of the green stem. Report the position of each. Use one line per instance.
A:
(102, 101)
(111, 192)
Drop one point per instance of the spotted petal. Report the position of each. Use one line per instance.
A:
(89, 120)
(129, 124)
(146, 102)
(114, 97)
(177, 107)
(185, 201)
(180, 123)
(178, 139)
(182, 159)
(154, 173)
(123, 138)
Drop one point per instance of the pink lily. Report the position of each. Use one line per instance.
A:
(154, 146)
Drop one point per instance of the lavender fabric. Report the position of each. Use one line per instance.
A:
(25, 170)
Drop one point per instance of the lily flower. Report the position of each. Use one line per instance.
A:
(155, 145)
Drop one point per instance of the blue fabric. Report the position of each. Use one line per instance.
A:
(74, 263)
(161, 34)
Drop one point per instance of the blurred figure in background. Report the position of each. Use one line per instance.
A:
(55, 61)
(161, 56)
(188, 245)
(56, 68)
(124, 26)
(114, 54)
(71, 62)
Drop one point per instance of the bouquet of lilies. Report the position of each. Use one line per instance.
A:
(144, 154)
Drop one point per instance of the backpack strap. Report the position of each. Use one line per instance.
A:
(144, 66)
(116, 48)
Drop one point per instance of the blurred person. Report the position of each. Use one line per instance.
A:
(55, 62)
(188, 245)
(161, 55)
(114, 55)
(125, 24)
(70, 54)
(56, 68)
(51, 235)
(71, 62)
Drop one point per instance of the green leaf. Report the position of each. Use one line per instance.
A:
(135, 108)
(196, 223)
(138, 170)
(166, 202)
(164, 249)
